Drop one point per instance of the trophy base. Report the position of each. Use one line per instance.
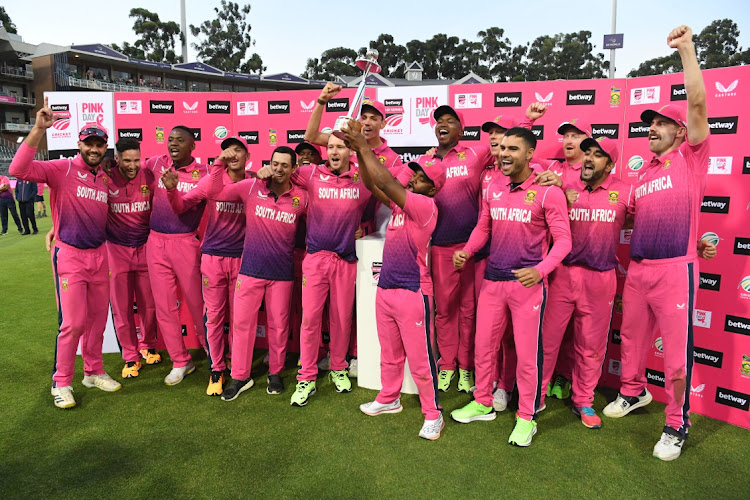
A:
(340, 122)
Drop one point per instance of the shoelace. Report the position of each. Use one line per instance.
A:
(560, 380)
(215, 377)
(589, 412)
(669, 439)
(444, 375)
(302, 386)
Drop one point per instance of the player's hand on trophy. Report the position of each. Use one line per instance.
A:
(169, 178)
(45, 117)
(353, 137)
(459, 258)
(528, 276)
(536, 110)
(681, 35)
(329, 91)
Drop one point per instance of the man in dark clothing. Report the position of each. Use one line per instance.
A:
(26, 194)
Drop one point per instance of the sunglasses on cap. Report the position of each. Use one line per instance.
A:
(92, 131)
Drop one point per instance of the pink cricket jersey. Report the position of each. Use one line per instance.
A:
(225, 225)
(337, 203)
(596, 218)
(163, 218)
(80, 213)
(668, 200)
(130, 208)
(458, 201)
(407, 240)
(522, 222)
(9, 193)
(388, 157)
(270, 226)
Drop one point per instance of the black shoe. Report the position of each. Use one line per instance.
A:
(235, 388)
(36, 231)
(20, 231)
(25, 233)
(275, 384)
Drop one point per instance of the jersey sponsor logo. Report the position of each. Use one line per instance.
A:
(338, 104)
(710, 281)
(295, 136)
(678, 93)
(496, 196)
(720, 165)
(545, 99)
(742, 246)
(611, 130)
(708, 357)
(715, 204)
(278, 107)
(324, 178)
(645, 95)
(162, 107)
(262, 195)
(723, 125)
(530, 197)
(726, 91)
(737, 324)
(614, 197)
(508, 99)
(467, 101)
(731, 398)
(581, 97)
(221, 107)
(245, 108)
(251, 136)
(655, 377)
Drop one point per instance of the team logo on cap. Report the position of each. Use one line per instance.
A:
(205, 281)
(295, 201)
(667, 164)
(196, 174)
(382, 159)
(144, 190)
(614, 197)
(431, 162)
(461, 155)
(64, 283)
(745, 367)
(355, 177)
(530, 197)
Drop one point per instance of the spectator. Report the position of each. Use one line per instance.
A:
(7, 202)
(26, 194)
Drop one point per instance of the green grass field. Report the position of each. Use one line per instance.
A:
(150, 440)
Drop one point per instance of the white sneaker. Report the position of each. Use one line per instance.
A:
(374, 408)
(353, 368)
(325, 363)
(103, 382)
(431, 428)
(669, 447)
(177, 374)
(64, 397)
(500, 400)
(625, 404)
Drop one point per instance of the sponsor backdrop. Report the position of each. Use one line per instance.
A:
(75, 110)
(721, 377)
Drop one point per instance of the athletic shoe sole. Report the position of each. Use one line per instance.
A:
(245, 387)
(190, 370)
(91, 385)
(433, 438)
(304, 403)
(396, 409)
(640, 404)
(486, 418)
(527, 443)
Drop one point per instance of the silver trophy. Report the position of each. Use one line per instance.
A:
(368, 64)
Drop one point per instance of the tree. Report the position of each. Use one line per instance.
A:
(659, 66)
(226, 40)
(9, 26)
(339, 61)
(497, 53)
(390, 56)
(567, 56)
(157, 39)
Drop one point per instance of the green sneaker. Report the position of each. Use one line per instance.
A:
(549, 389)
(444, 380)
(473, 411)
(465, 380)
(340, 381)
(561, 388)
(305, 389)
(523, 432)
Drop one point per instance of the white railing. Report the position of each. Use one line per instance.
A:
(16, 100)
(17, 127)
(11, 71)
(112, 87)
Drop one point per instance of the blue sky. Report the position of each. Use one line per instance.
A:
(289, 32)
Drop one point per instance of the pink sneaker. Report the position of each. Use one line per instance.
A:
(588, 415)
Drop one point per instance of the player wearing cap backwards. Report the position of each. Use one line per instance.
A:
(273, 209)
(507, 363)
(458, 205)
(521, 218)
(173, 251)
(663, 276)
(372, 118)
(565, 174)
(584, 286)
(403, 305)
(221, 251)
(130, 196)
(79, 258)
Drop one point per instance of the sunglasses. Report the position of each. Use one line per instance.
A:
(88, 132)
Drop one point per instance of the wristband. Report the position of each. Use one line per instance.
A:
(321, 102)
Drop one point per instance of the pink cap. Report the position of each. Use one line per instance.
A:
(92, 130)
(376, 105)
(234, 140)
(674, 112)
(577, 123)
(447, 110)
(433, 170)
(606, 144)
(502, 121)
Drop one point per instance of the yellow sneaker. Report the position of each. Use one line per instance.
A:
(151, 356)
(215, 384)
(131, 369)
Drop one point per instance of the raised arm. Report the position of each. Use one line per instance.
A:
(182, 202)
(23, 165)
(681, 38)
(376, 177)
(313, 135)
